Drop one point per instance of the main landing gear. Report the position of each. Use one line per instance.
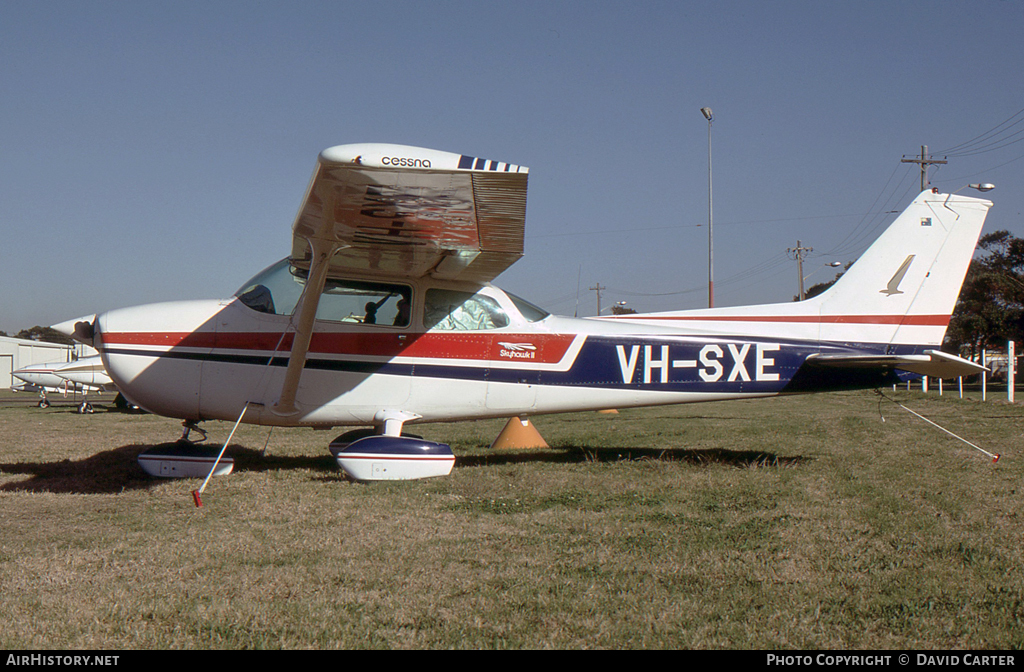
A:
(185, 459)
(188, 427)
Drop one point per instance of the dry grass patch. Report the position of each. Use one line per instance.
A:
(787, 523)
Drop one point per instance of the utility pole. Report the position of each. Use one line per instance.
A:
(798, 254)
(924, 162)
(597, 288)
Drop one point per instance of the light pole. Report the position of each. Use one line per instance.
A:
(618, 304)
(831, 264)
(706, 111)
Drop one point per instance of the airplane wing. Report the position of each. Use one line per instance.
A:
(405, 211)
(399, 211)
(934, 363)
(87, 372)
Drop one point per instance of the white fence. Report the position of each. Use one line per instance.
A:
(999, 365)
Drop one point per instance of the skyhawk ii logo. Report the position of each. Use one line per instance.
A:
(517, 350)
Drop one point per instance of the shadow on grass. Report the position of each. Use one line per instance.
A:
(69, 405)
(108, 472)
(580, 454)
(118, 470)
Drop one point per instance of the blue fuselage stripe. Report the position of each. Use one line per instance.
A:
(668, 365)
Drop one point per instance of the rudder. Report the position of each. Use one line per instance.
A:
(904, 287)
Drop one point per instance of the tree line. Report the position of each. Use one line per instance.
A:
(990, 310)
(45, 334)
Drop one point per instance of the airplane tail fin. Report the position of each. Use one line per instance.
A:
(904, 287)
(901, 291)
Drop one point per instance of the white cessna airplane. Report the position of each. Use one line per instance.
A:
(83, 374)
(88, 373)
(383, 314)
(40, 378)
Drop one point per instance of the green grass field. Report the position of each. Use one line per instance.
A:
(800, 522)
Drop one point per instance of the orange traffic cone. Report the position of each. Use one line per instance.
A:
(519, 434)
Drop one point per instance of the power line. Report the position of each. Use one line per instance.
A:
(982, 150)
(992, 132)
(836, 249)
(982, 172)
(866, 228)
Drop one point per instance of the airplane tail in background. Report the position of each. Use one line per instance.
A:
(906, 284)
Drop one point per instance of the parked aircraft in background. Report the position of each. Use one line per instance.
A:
(383, 315)
(89, 374)
(39, 378)
(80, 375)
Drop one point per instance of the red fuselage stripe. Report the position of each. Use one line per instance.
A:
(534, 348)
(911, 320)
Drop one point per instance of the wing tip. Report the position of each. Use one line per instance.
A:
(384, 155)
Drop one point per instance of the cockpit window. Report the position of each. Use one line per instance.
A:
(531, 312)
(277, 289)
(449, 310)
(361, 302)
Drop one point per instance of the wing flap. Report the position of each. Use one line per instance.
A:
(409, 212)
(934, 363)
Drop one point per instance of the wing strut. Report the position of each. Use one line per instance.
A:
(305, 317)
(323, 248)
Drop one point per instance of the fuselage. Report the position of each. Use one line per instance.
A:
(460, 351)
(86, 373)
(41, 376)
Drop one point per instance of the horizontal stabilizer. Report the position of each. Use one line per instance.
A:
(933, 363)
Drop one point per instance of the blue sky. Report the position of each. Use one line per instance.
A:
(154, 151)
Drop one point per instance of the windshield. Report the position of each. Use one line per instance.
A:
(274, 290)
(529, 311)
